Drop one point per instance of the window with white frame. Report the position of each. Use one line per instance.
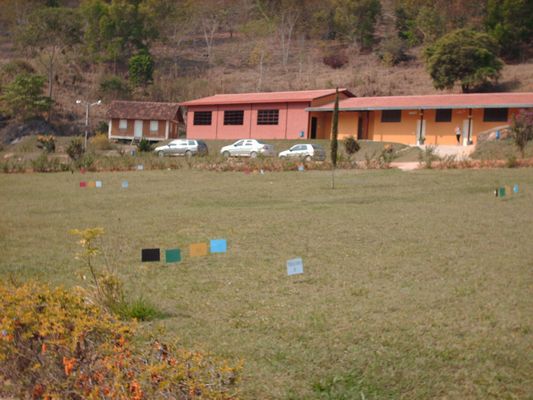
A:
(123, 124)
(154, 126)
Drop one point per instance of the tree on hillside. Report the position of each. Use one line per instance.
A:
(356, 20)
(48, 34)
(510, 22)
(115, 31)
(141, 69)
(23, 97)
(463, 56)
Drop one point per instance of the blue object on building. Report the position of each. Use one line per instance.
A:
(497, 135)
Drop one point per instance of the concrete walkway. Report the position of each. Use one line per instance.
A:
(460, 153)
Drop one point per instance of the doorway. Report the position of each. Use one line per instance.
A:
(360, 128)
(314, 123)
(138, 129)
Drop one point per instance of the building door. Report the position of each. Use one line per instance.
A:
(138, 129)
(313, 127)
(467, 131)
(360, 128)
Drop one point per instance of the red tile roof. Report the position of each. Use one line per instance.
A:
(142, 110)
(272, 97)
(473, 100)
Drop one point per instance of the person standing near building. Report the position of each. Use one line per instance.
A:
(458, 135)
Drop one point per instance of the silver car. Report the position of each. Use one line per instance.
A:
(182, 147)
(307, 152)
(248, 148)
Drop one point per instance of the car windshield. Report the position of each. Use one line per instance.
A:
(317, 147)
(260, 142)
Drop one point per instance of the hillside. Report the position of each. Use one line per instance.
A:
(187, 65)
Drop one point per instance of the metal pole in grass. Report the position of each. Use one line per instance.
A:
(334, 134)
(87, 106)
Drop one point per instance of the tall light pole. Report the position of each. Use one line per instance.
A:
(87, 106)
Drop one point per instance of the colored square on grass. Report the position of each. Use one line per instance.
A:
(198, 249)
(91, 184)
(515, 188)
(150, 255)
(124, 184)
(301, 168)
(172, 255)
(140, 167)
(98, 184)
(501, 192)
(83, 184)
(218, 245)
(295, 266)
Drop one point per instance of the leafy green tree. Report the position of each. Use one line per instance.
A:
(356, 20)
(510, 22)
(117, 30)
(24, 97)
(141, 69)
(463, 56)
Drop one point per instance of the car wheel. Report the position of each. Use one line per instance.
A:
(307, 158)
(253, 154)
(283, 157)
(160, 154)
(188, 154)
(225, 154)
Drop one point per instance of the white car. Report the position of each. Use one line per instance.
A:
(248, 148)
(307, 152)
(182, 147)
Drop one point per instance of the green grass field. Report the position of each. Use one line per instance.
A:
(417, 285)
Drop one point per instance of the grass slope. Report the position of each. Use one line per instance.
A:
(416, 285)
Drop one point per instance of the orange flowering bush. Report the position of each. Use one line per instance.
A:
(55, 345)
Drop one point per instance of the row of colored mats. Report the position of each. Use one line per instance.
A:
(502, 191)
(99, 184)
(195, 250)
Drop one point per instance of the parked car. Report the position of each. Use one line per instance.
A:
(307, 152)
(248, 148)
(182, 147)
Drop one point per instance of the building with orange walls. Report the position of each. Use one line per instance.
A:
(430, 119)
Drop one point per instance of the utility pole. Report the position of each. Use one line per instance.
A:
(87, 107)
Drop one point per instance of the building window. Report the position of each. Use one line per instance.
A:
(154, 126)
(444, 115)
(495, 115)
(202, 118)
(233, 117)
(391, 116)
(123, 124)
(267, 117)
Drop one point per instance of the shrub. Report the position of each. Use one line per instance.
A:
(139, 309)
(56, 345)
(351, 146)
(511, 162)
(46, 142)
(335, 61)
(144, 145)
(522, 129)
(43, 163)
(100, 142)
(387, 156)
(75, 149)
(427, 157)
(392, 51)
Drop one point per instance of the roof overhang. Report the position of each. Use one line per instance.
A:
(420, 107)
